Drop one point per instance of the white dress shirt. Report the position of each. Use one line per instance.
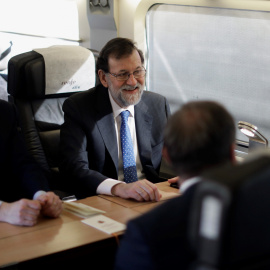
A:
(188, 183)
(106, 186)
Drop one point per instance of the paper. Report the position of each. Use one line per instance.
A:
(81, 209)
(104, 224)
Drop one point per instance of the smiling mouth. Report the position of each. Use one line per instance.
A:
(131, 90)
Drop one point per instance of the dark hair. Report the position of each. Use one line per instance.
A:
(198, 136)
(118, 48)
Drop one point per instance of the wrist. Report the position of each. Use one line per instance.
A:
(116, 189)
(2, 211)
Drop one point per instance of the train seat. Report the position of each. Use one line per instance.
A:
(38, 83)
(230, 217)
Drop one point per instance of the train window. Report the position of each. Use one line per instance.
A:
(211, 53)
(33, 24)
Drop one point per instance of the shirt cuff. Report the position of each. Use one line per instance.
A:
(38, 193)
(106, 186)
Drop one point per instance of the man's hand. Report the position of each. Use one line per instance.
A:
(141, 190)
(173, 180)
(51, 204)
(23, 212)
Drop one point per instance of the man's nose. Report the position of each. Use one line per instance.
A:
(131, 79)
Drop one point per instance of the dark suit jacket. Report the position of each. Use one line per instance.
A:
(88, 143)
(159, 238)
(20, 176)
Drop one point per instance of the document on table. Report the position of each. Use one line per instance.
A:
(81, 209)
(104, 224)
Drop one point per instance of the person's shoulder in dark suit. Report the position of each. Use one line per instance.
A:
(80, 105)
(8, 108)
(8, 122)
(15, 161)
(158, 239)
(157, 104)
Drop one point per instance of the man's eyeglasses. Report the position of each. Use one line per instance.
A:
(124, 76)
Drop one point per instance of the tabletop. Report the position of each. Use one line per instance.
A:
(49, 236)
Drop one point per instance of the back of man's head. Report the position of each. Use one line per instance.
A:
(198, 136)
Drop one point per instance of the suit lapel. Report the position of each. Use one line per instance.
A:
(105, 123)
(143, 132)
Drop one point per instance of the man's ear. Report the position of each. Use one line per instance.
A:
(165, 155)
(102, 78)
(233, 157)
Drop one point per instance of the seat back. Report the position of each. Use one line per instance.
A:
(230, 217)
(40, 111)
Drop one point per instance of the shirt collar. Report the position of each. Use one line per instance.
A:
(117, 109)
(188, 183)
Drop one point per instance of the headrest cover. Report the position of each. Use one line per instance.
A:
(68, 69)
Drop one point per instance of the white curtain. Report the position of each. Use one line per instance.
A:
(197, 53)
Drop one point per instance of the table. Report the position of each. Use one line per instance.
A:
(164, 188)
(65, 241)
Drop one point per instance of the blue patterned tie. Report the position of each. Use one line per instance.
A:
(129, 163)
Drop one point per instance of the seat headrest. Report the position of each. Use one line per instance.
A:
(229, 217)
(55, 71)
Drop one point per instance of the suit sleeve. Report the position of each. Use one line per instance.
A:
(74, 162)
(133, 252)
